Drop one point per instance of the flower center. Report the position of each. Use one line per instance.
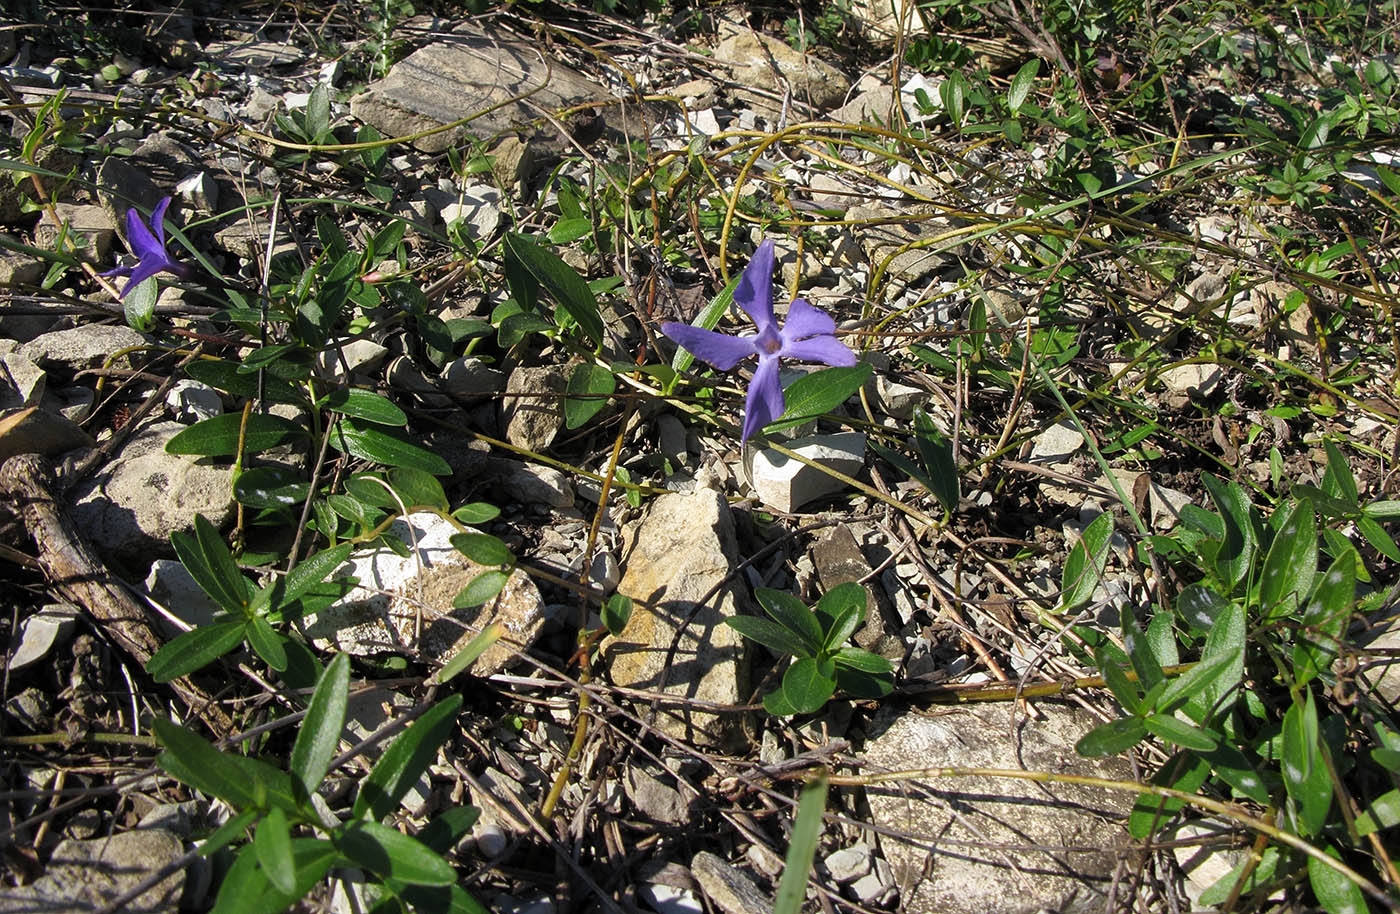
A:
(769, 341)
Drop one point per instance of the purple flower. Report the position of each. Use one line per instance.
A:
(808, 335)
(148, 244)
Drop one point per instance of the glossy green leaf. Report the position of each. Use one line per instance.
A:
(363, 404)
(1021, 85)
(139, 305)
(1231, 766)
(272, 843)
(570, 229)
(1291, 564)
(1111, 738)
(1084, 567)
(481, 589)
(195, 649)
(587, 392)
(242, 782)
(1335, 892)
(936, 450)
(844, 606)
(1200, 679)
(1385, 510)
(319, 736)
(266, 643)
(1180, 733)
(560, 280)
(468, 653)
(1199, 606)
(226, 834)
(381, 446)
(246, 889)
(312, 571)
(1319, 636)
(224, 375)
(1338, 480)
(1185, 772)
(806, 835)
(775, 704)
(418, 488)
(793, 615)
(818, 393)
(857, 659)
(407, 757)
(1256, 879)
(809, 684)
(1124, 689)
(1384, 812)
(271, 487)
(1226, 638)
(448, 828)
(483, 548)
(769, 634)
(707, 319)
(1149, 671)
(1237, 551)
(1304, 773)
(1375, 535)
(478, 512)
(616, 611)
(218, 436)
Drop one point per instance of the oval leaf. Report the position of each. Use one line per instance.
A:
(818, 393)
(480, 589)
(564, 285)
(809, 684)
(195, 649)
(482, 548)
(363, 404)
(587, 392)
(380, 446)
(320, 729)
(218, 437)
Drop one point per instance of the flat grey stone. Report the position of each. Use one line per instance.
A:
(1056, 444)
(533, 484)
(40, 633)
(997, 844)
(655, 799)
(85, 346)
(172, 586)
(768, 63)
(849, 864)
(192, 401)
(469, 378)
(464, 74)
(731, 889)
(90, 226)
(683, 548)
(83, 876)
(532, 422)
(786, 484)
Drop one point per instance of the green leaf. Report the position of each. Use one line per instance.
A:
(272, 843)
(1384, 812)
(1291, 564)
(707, 319)
(1021, 85)
(227, 833)
(1386, 510)
(1231, 766)
(195, 649)
(266, 643)
(936, 449)
(809, 684)
(1324, 618)
(363, 404)
(587, 392)
(1335, 892)
(1199, 606)
(564, 285)
(418, 488)
(1187, 736)
(469, 652)
(857, 659)
(1237, 551)
(246, 889)
(1375, 535)
(1111, 738)
(448, 828)
(1226, 639)
(806, 833)
(224, 375)
(478, 512)
(381, 446)
(1084, 567)
(407, 757)
(1123, 688)
(570, 229)
(818, 393)
(769, 634)
(616, 611)
(481, 589)
(845, 606)
(1304, 773)
(311, 571)
(271, 487)
(775, 704)
(218, 436)
(1259, 877)
(1185, 772)
(243, 783)
(793, 615)
(318, 113)
(319, 735)
(483, 548)
(139, 305)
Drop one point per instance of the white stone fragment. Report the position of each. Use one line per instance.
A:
(849, 864)
(191, 402)
(786, 484)
(39, 633)
(1056, 444)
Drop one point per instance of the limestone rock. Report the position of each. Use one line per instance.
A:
(767, 63)
(532, 422)
(533, 484)
(39, 633)
(139, 499)
(655, 799)
(38, 431)
(90, 226)
(838, 559)
(472, 71)
(1037, 846)
(786, 484)
(120, 184)
(682, 549)
(85, 346)
(84, 876)
(731, 889)
(469, 378)
(1056, 444)
(383, 614)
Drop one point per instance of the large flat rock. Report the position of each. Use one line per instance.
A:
(468, 73)
(976, 844)
(682, 549)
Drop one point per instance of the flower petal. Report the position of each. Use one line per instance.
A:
(139, 238)
(144, 270)
(805, 319)
(765, 401)
(825, 348)
(718, 349)
(158, 220)
(118, 271)
(755, 290)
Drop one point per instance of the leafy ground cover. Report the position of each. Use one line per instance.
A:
(1117, 282)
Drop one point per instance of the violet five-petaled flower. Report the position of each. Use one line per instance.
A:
(808, 335)
(148, 244)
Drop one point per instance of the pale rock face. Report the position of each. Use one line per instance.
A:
(682, 549)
